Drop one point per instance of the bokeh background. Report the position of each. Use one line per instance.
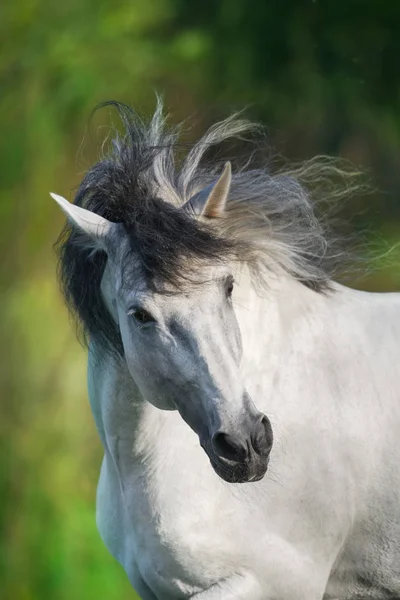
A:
(322, 76)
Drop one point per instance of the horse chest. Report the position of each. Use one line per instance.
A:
(179, 542)
(188, 539)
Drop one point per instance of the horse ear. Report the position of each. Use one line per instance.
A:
(95, 226)
(210, 202)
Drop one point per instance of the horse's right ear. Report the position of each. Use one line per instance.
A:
(96, 227)
(211, 201)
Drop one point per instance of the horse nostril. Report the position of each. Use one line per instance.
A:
(229, 447)
(262, 437)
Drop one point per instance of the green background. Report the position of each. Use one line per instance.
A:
(322, 76)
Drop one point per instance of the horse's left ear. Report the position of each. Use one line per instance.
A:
(97, 228)
(210, 202)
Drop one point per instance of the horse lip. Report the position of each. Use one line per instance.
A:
(240, 474)
(256, 477)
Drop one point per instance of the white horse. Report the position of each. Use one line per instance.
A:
(195, 499)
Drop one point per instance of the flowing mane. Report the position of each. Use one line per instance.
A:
(269, 223)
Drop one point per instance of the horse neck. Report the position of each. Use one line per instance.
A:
(265, 318)
(289, 316)
(114, 398)
(120, 411)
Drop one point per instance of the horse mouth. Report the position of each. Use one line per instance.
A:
(239, 473)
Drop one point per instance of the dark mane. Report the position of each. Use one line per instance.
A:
(270, 222)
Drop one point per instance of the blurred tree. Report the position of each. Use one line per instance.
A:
(322, 75)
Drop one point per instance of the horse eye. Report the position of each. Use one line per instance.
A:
(142, 316)
(229, 289)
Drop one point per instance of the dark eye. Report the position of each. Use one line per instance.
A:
(142, 316)
(229, 288)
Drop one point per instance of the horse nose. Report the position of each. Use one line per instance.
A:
(262, 437)
(241, 448)
(231, 447)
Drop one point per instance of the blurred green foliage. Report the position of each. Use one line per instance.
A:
(324, 78)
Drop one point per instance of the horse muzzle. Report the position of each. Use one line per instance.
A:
(240, 455)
